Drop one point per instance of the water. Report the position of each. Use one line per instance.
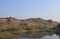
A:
(54, 36)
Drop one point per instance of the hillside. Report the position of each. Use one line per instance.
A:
(34, 22)
(11, 26)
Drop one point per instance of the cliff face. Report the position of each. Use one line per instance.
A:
(34, 22)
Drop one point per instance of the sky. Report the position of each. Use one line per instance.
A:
(23, 9)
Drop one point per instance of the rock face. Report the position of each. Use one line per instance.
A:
(12, 20)
(35, 22)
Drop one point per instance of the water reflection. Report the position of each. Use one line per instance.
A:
(54, 36)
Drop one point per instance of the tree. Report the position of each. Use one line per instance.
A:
(58, 26)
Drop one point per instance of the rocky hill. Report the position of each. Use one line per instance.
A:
(32, 27)
(33, 22)
(41, 22)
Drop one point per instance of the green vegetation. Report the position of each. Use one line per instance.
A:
(57, 29)
(22, 29)
(12, 27)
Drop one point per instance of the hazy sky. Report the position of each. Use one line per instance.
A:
(46, 9)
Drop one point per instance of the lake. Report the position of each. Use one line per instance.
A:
(54, 36)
